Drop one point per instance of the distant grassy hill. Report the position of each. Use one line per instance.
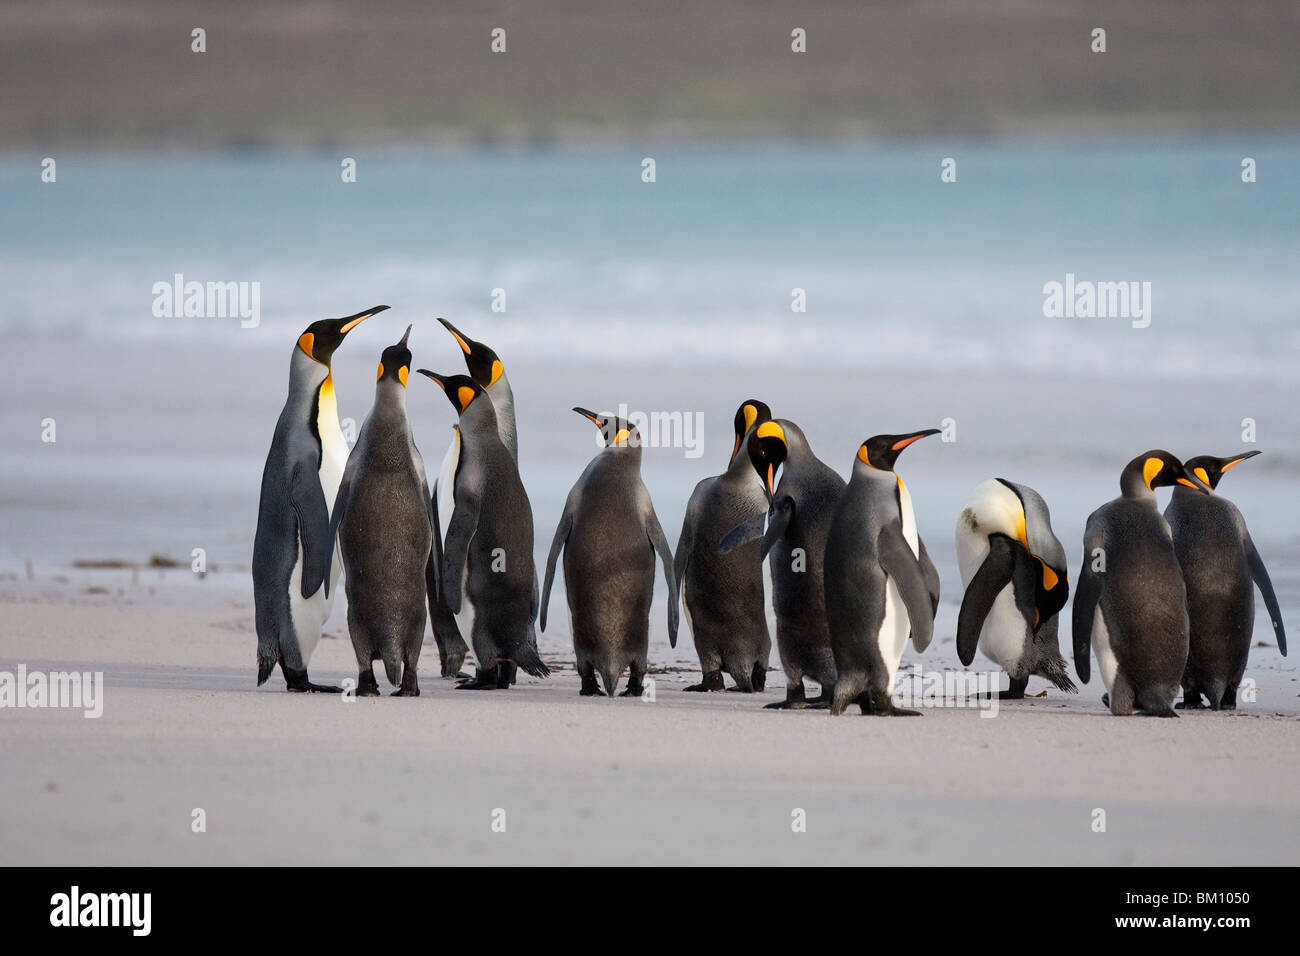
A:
(123, 74)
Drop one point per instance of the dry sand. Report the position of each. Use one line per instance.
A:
(706, 779)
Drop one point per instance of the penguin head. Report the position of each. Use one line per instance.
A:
(482, 362)
(395, 363)
(320, 339)
(1157, 469)
(1210, 470)
(750, 413)
(461, 390)
(618, 432)
(881, 451)
(768, 449)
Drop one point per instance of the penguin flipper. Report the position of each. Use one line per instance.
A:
(464, 522)
(904, 569)
(314, 528)
(778, 521)
(993, 575)
(742, 534)
(931, 574)
(660, 543)
(1086, 597)
(1265, 585)
(557, 545)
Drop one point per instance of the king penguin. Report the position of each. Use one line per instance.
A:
(1220, 564)
(609, 534)
(881, 586)
(293, 583)
(722, 594)
(385, 530)
(1013, 570)
(798, 519)
(484, 541)
(1131, 605)
(486, 369)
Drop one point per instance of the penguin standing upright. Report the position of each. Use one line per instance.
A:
(609, 534)
(385, 531)
(881, 586)
(1013, 570)
(293, 583)
(487, 577)
(486, 369)
(1130, 605)
(1220, 564)
(722, 594)
(797, 522)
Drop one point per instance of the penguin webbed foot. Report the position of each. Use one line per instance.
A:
(633, 690)
(296, 682)
(590, 688)
(711, 683)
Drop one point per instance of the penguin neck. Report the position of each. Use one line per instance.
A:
(875, 476)
(311, 397)
(503, 403)
(1133, 485)
(625, 455)
(390, 401)
(479, 421)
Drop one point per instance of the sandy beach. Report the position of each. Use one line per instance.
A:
(686, 779)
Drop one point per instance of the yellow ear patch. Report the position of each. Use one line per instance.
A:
(380, 373)
(497, 371)
(1050, 577)
(401, 375)
(1151, 468)
(1022, 533)
(863, 456)
(751, 413)
(1200, 473)
(771, 430)
(305, 342)
(622, 436)
(465, 395)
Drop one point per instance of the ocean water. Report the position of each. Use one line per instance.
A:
(924, 301)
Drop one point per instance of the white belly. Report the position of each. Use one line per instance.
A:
(445, 487)
(895, 628)
(1002, 638)
(1106, 662)
(308, 614)
(333, 459)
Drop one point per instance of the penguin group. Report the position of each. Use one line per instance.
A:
(1164, 602)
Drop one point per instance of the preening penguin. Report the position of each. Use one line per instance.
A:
(609, 534)
(1013, 570)
(487, 577)
(293, 571)
(384, 522)
(797, 522)
(881, 586)
(1220, 564)
(722, 594)
(1130, 604)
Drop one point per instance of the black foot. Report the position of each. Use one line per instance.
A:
(634, 689)
(406, 692)
(367, 686)
(479, 683)
(1105, 700)
(590, 688)
(506, 674)
(759, 678)
(296, 682)
(1190, 703)
(712, 682)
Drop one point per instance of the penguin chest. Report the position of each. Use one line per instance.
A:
(333, 459)
(895, 626)
(1003, 637)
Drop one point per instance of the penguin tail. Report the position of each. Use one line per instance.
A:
(531, 662)
(265, 664)
(393, 664)
(609, 677)
(1054, 671)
